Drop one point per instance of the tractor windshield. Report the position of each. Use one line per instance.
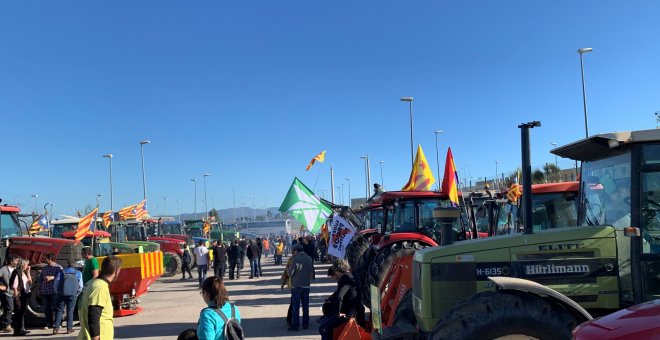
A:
(606, 192)
(10, 226)
(554, 210)
(417, 216)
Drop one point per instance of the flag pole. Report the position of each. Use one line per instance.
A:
(317, 178)
(94, 221)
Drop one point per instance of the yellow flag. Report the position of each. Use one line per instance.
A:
(421, 176)
(320, 157)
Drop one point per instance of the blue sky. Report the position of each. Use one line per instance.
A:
(251, 90)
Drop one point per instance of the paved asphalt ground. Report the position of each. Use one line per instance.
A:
(172, 306)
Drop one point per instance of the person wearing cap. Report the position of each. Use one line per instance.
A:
(300, 271)
(378, 190)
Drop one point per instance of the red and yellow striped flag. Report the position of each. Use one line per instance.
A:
(141, 211)
(86, 224)
(207, 227)
(127, 213)
(421, 176)
(108, 217)
(320, 157)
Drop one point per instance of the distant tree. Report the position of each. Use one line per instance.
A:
(214, 213)
(88, 209)
(538, 177)
(551, 172)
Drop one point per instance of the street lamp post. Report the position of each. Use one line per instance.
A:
(382, 181)
(584, 92)
(496, 182)
(195, 200)
(348, 180)
(98, 200)
(206, 208)
(366, 176)
(35, 196)
(144, 179)
(437, 157)
(410, 102)
(164, 201)
(109, 156)
(178, 210)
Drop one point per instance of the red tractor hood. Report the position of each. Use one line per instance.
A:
(637, 322)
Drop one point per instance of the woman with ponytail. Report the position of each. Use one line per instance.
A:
(212, 318)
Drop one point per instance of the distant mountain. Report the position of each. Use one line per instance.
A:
(227, 215)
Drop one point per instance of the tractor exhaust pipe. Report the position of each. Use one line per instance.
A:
(527, 175)
(447, 218)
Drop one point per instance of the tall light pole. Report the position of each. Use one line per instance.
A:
(206, 208)
(164, 201)
(109, 156)
(584, 92)
(254, 213)
(348, 180)
(233, 194)
(178, 210)
(35, 196)
(382, 181)
(195, 200)
(366, 176)
(412, 153)
(495, 182)
(437, 157)
(341, 198)
(98, 200)
(554, 145)
(144, 179)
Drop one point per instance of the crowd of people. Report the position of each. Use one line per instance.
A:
(62, 288)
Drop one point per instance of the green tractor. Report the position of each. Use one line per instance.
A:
(542, 283)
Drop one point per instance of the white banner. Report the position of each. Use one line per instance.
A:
(341, 234)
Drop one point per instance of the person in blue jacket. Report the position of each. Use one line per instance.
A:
(211, 325)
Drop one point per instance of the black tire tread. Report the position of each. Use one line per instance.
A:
(489, 315)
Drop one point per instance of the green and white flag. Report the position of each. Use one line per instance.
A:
(305, 207)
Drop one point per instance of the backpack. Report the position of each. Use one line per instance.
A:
(70, 284)
(232, 329)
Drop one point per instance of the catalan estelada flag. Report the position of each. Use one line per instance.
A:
(108, 217)
(127, 213)
(39, 224)
(421, 176)
(450, 181)
(320, 157)
(207, 227)
(141, 211)
(86, 225)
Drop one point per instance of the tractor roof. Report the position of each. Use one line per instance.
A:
(389, 196)
(97, 233)
(605, 144)
(9, 208)
(555, 187)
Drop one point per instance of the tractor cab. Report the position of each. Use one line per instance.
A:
(409, 212)
(620, 187)
(9, 223)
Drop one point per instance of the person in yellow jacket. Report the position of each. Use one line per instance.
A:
(279, 250)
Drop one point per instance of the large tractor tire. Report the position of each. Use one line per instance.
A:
(404, 312)
(382, 263)
(355, 250)
(363, 270)
(492, 315)
(172, 264)
(34, 313)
